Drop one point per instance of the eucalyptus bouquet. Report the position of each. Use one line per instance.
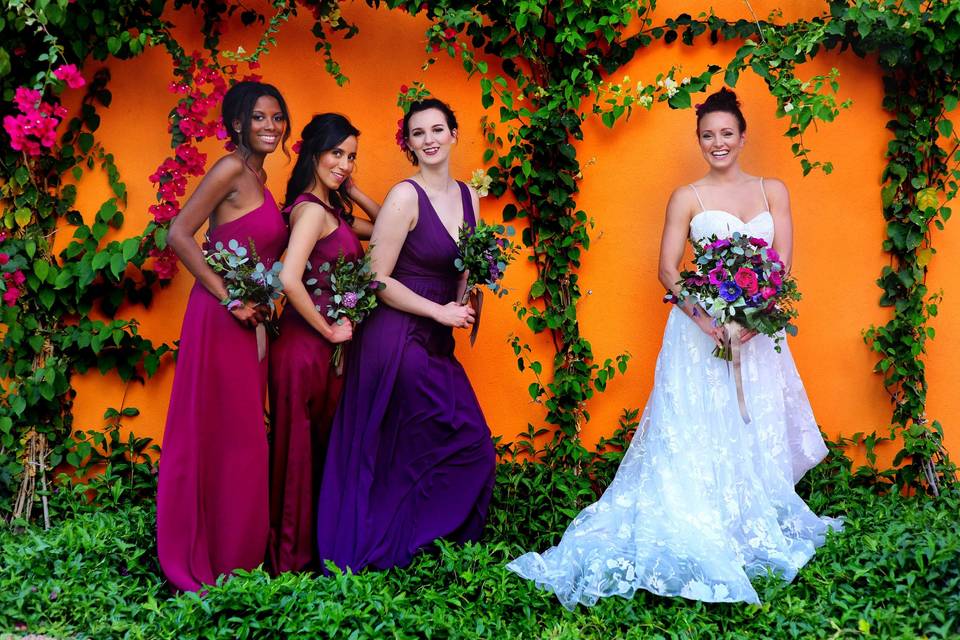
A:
(244, 275)
(246, 279)
(353, 286)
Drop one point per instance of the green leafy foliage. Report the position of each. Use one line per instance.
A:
(892, 573)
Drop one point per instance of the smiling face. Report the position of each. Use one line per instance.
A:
(430, 136)
(720, 139)
(335, 165)
(267, 124)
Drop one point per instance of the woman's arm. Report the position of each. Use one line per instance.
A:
(397, 216)
(676, 227)
(779, 199)
(308, 223)
(363, 228)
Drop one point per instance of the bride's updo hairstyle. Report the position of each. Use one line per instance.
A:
(723, 100)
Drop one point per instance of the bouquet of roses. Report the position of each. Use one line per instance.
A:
(485, 252)
(246, 279)
(353, 286)
(742, 283)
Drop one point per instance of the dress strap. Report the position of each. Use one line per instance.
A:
(308, 197)
(763, 192)
(469, 215)
(697, 193)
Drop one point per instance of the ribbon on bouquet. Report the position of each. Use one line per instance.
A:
(261, 332)
(477, 295)
(732, 344)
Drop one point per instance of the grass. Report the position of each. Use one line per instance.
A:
(893, 573)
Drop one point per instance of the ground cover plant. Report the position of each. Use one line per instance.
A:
(893, 573)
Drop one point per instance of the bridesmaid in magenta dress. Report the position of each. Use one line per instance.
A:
(410, 458)
(304, 389)
(212, 505)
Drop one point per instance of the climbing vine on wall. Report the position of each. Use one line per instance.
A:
(544, 68)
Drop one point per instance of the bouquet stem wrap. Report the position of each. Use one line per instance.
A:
(261, 332)
(477, 293)
(731, 352)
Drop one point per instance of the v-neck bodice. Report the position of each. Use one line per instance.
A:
(429, 251)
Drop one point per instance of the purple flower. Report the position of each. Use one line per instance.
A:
(349, 299)
(718, 274)
(722, 243)
(374, 285)
(729, 291)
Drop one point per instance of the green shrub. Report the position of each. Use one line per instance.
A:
(893, 573)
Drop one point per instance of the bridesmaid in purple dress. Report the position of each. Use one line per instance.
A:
(212, 507)
(410, 457)
(304, 389)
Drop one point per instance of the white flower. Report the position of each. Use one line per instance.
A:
(787, 108)
(481, 182)
(669, 83)
(686, 80)
(645, 100)
(640, 87)
(671, 92)
(906, 24)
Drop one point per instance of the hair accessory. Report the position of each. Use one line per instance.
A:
(297, 146)
(401, 141)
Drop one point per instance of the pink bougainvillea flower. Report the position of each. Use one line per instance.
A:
(164, 262)
(26, 99)
(163, 211)
(747, 280)
(10, 296)
(4, 258)
(449, 33)
(71, 75)
(18, 278)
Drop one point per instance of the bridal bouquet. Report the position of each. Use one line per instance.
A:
(353, 286)
(742, 280)
(246, 280)
(245, 277)
(485, 252)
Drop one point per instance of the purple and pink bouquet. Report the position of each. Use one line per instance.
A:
(485, 252)
(741, 280)
(353, 286)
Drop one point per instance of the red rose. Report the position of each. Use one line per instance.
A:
(747, 280)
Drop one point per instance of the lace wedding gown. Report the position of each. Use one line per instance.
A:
(701, 502)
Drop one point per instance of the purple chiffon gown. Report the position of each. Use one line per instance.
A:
(212, 505)
(304, 390)
(410, 458)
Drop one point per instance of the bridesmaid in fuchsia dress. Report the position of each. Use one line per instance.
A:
(304, 388)
(212, 500)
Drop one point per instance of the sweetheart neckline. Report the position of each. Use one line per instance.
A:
(751, 221)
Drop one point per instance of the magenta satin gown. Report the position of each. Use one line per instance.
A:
(304, 391)
(212, 502)
(410, 458)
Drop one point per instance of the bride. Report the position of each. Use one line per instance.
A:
(702, 502)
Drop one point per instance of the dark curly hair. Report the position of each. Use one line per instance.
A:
(725, 101)
(423, 105)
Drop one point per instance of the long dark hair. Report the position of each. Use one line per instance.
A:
(238, 104)
(323, 133)
(423, 105)
(725, 101)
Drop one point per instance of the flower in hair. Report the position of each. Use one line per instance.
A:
(297, 146)
(401, 141)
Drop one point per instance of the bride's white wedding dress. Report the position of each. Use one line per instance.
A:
(701, 502)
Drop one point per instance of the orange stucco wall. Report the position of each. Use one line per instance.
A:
(837, 218)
